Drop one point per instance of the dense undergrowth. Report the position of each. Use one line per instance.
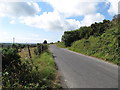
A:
(104, 46)
(24, 74)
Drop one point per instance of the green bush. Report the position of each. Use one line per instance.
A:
(28, 75)
(9, 57)
(41, 48)
(95, 29)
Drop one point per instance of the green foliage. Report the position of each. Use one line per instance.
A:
(96, 29)
(9, 56)
(26, 75)
(101, 40)
(105, 46)
(46, 66)
(69, 37)
(60, 44)
(45, 42)
(41, 48)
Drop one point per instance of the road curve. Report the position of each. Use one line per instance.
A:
(80, 71)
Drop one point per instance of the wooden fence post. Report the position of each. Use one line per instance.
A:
(41, 48)
(29, 53)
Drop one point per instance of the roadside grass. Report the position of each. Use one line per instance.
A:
(24, 53)
(44, 68)
(0, 49)
(60, 44)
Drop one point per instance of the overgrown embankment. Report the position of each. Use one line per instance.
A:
(38, 72)
(60, 44)
(101, 40)
(104, 46)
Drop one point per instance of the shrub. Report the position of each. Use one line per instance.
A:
(95, 29)
(41, 48)
(9, 56)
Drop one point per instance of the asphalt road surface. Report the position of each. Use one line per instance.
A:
(80, 71)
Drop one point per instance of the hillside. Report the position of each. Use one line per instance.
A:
(100, 40)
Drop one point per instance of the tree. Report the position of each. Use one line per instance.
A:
(45, 42)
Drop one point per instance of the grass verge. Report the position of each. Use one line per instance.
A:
(46, 67)
(60, 45)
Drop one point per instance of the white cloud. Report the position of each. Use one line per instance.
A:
(89, 19)
(18, 9)
(113, 6)
(51, 21)
(12, 22)
(56, 20)
(73, 7)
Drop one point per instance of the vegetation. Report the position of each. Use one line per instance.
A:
(60, 44)
(9, 55)
(96, 29)
(101, 40)
(17, 73)
(45, 42)
(41, 48)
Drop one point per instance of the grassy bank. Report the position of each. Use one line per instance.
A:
(60, 45)
(101, 40)
(97, 47)
(39, 72)
(104, 46)
(44, 67)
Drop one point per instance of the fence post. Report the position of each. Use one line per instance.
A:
(41, 48)
(29, 53)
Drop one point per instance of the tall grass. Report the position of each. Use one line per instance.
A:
(47, 70)
(60, 44)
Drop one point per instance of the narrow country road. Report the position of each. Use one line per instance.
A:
(80, 71)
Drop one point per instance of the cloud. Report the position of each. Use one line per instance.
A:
(12, 22)
(18, 9)
(73, 7)
(89, 19)
(51, 21)
(113, 6)
(57, 20)
(27, 13)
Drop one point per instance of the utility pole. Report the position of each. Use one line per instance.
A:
(13, 40)
(13, 46)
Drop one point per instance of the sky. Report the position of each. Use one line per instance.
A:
(35, 21)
